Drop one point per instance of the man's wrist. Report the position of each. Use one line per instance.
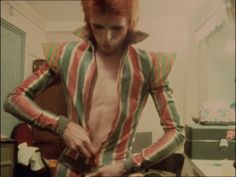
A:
(61, 125)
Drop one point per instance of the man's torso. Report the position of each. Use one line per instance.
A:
(103, 100)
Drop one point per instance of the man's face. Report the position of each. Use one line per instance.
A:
(109, 32)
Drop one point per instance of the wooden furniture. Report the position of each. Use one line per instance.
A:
(8, 157)
(51, 99)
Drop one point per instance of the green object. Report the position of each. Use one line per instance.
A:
(208, 142)
(232, 106)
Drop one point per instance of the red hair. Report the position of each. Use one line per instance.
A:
(126, 8)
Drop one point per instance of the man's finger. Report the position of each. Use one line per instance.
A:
(83, 149)
(90, 147)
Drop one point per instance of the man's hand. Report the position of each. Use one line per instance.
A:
(109, 170)
(78, 140)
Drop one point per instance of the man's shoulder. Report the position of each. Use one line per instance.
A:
(55, 52)
(49, 46)
(153, 55)
(143, 54)
(76, 45)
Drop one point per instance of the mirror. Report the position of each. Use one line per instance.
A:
(213, 57)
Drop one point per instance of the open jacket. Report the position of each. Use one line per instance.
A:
(141, 73)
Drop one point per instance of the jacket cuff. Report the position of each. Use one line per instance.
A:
(61, 125)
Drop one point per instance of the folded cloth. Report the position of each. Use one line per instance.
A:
(37, 162)
(29, 155)
(216, 112)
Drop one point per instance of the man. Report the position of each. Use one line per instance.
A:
(107, 82)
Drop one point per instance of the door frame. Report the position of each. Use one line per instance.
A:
(21, 33)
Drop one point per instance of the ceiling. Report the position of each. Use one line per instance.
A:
(58, 11)
(71, 11)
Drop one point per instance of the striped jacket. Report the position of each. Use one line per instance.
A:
(141, 73)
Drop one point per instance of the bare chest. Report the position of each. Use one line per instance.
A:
(103, 101)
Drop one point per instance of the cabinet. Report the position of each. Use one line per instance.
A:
(8, 157)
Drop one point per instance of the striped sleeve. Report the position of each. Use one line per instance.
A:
(20, 102)
(53, 53)
(162, 65)
(173, 137)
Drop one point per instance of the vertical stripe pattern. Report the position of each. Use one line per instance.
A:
(20, 103)
(141, 73)
(135, 87)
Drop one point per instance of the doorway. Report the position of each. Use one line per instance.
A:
(12, 68)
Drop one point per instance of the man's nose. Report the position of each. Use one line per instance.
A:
(108, 35)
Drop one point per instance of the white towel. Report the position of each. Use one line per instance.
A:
(30, 155)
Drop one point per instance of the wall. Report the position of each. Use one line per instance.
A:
(21, 16)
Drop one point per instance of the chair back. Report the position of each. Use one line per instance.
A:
(53, 100)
